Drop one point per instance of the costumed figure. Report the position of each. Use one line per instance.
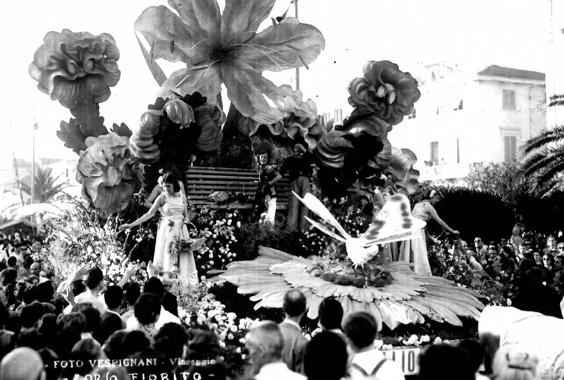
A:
(414, 251)
(299, 169)
(172, 229)
(264, 206)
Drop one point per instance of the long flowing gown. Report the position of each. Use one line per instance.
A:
(172, 230)
(415, 250)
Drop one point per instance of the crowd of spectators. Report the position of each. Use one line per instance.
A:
(89, 330)
(528, 267)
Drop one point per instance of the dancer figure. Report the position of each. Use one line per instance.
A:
(265, 197)
(172, 228)
(415, 251)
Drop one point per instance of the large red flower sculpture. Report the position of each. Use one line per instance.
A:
(76, 68)
(384, 91)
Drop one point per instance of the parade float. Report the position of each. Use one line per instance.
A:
(355, 161)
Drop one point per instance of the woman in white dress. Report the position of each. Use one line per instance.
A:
(172, 228)
(415, 251)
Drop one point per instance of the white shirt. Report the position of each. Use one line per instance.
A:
(368, 360)
(164, 317)
(97, 301)
(277, 371)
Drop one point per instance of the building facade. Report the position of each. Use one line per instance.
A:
(463, 118)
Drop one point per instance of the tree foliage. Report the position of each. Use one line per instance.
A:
(542, 163)
(46, 185)
(499, 179)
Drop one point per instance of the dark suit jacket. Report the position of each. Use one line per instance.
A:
(294, 347)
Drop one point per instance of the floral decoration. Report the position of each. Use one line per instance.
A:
(219, 228)
(107, 173)
(198, 309)
(385, 91)
(77, 239)
(226, 48)
(76, 68)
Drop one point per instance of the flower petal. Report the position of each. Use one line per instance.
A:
(282, 46)
(241, 19)
(169, 37)
(202, 17)
(247, 88)
(205, 81)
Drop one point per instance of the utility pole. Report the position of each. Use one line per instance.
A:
(297, 67)
(33, 158)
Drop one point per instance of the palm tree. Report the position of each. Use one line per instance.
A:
(542, 162)
(46, 185)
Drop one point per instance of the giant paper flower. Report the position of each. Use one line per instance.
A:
(76, 68)
(300, 120)
(107, 173)
(226, 48)
(408, 298)
(385, 91)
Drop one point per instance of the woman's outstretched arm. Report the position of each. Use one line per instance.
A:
(148, 215)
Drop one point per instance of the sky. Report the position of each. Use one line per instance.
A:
(469, 33)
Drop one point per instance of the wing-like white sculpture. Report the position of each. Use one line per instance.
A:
(393, 223)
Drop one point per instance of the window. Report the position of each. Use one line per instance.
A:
(510, 148)
(508, 99)
(435, 152)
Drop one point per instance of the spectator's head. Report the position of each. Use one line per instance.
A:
(475, 351)
(49, 357)
(202, 344)
(154, 286)
(360, 328)
(14, 323)
(325, 357)
(445, 362)
(44, 292)
(4, 315)
(70, 327)
(330, 314)
(170, 340)
(534, 276)
(559, 262)
(35, 269)
(12, 262)
(135, 341)
(78, 287)
(113, 297)
(264, 342)
(48, 325)
(91, 314)
(295, 304)
(147, 309)
(95, 279)
(114, 345)
(548, 260)
(109, 324)
(131, 292)
(11, 367)
(478, 243)
(513, 362)
(537, 257)
(31, 314)
(9, 276)
(88, 351)
(560, 247)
